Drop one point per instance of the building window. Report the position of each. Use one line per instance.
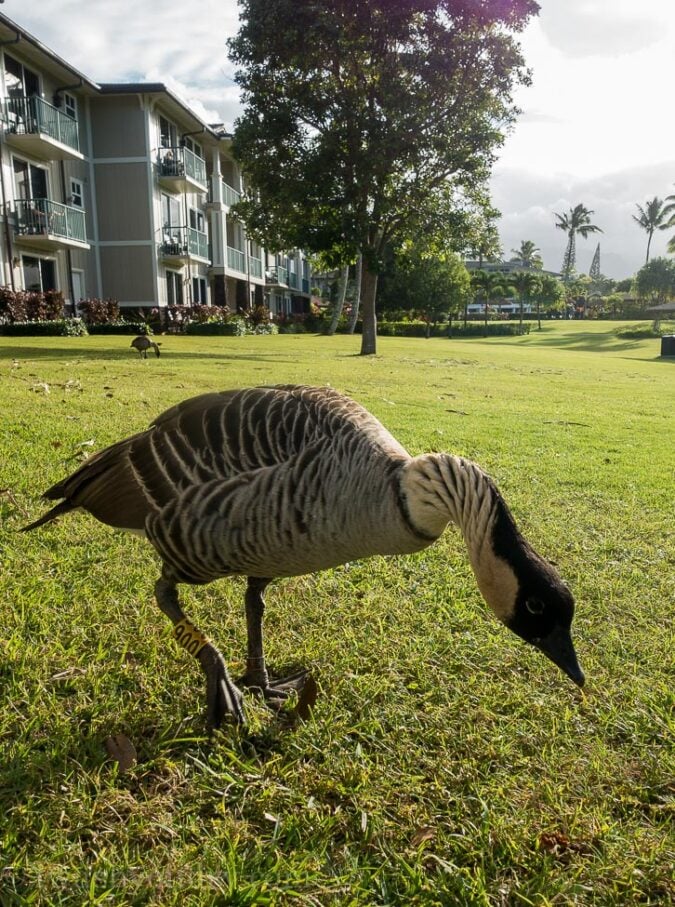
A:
(39, 274)
(197, 220)
(30, 182)
(168, 134)
(195, 147)
(20, 82)
(174, 288)
(199, 291)
(77, 193)
(70, 105)
(79, 291)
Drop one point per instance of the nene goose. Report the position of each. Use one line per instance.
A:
(143, 344)
(268, 482)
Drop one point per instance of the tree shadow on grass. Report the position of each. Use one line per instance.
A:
(114, 354)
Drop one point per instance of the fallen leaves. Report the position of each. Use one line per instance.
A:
(122, 751)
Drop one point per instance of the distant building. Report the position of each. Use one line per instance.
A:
(121, 190)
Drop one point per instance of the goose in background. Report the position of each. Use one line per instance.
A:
(143, 344)
(269, 482)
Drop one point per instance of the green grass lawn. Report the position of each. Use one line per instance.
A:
(445, 762)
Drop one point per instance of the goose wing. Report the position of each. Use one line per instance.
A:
(214, 436)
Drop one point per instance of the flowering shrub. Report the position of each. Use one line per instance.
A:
(27, 305)
(99, 311)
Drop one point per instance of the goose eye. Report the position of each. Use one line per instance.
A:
(534, 605)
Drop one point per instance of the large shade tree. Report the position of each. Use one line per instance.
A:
(356, 114)
(577, 220)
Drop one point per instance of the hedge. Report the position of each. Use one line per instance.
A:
(235, 327)
(120, 327)
(64, 327)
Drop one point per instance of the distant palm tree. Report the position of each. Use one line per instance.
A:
(526, 284)
(577, 221)
(654, 216)
(550, 290)
(489, 285)
(669, 212)
(529, 254)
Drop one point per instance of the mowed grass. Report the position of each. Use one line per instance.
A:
(445, 762)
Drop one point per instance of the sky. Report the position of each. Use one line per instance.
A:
(596, 126)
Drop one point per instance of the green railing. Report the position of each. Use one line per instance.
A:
(293, 281)
(236, 260)
(179, 242)
(230, 195)
(198, 243)
(34, 115)
(43, 217)
(256, 267)
(181, 162)
(305, 285)
(279, 276)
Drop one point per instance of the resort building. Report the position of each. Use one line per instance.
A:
(122, 191)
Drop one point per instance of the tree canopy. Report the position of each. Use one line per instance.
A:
(356, 115)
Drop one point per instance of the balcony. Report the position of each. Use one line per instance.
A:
(236, 260)
(230, 195)
(293, 280)
(181, 170)
(277, 276)
(49, 225)
(182, 243)
(305, 285)
(255, 267)
(39, 129)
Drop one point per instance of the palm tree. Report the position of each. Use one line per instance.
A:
(577, 221)
(669, 212)
(654, 216)
(526, 284)
(489, 285)
(529, 254)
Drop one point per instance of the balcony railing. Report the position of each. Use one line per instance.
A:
(293, 280)
(278, 276)
(305, 285)
(230, 195)
(256, 267)
(43, 217)
(198, 243)
(35, 116)
(236, 260)
(180, 163)
(184, 242)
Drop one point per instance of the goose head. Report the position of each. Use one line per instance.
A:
(527, 593)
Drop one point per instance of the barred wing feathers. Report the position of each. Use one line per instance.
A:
(218, 436)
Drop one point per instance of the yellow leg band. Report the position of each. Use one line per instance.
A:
(189, 637)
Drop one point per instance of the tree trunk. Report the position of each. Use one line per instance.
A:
(485, 330)
(539, 314)
(340, 301)
(521, 314)
(357, 296)
(369, 320)
(649, 242)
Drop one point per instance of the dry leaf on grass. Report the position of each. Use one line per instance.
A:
(122, 750)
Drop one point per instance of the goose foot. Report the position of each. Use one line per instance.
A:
(222, 696)
(274, 690)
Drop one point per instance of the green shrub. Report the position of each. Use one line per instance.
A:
(639, 332)
(64, 327)
(120, 327)
(473, 329)
(265, 328)
(233, 327)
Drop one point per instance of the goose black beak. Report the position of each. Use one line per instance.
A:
(559, 648)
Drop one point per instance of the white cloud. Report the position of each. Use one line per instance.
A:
(595, 28)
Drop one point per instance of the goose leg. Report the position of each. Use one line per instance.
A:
(256, 676)
(222, 696)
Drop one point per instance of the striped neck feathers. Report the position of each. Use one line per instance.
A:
(441, 489)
